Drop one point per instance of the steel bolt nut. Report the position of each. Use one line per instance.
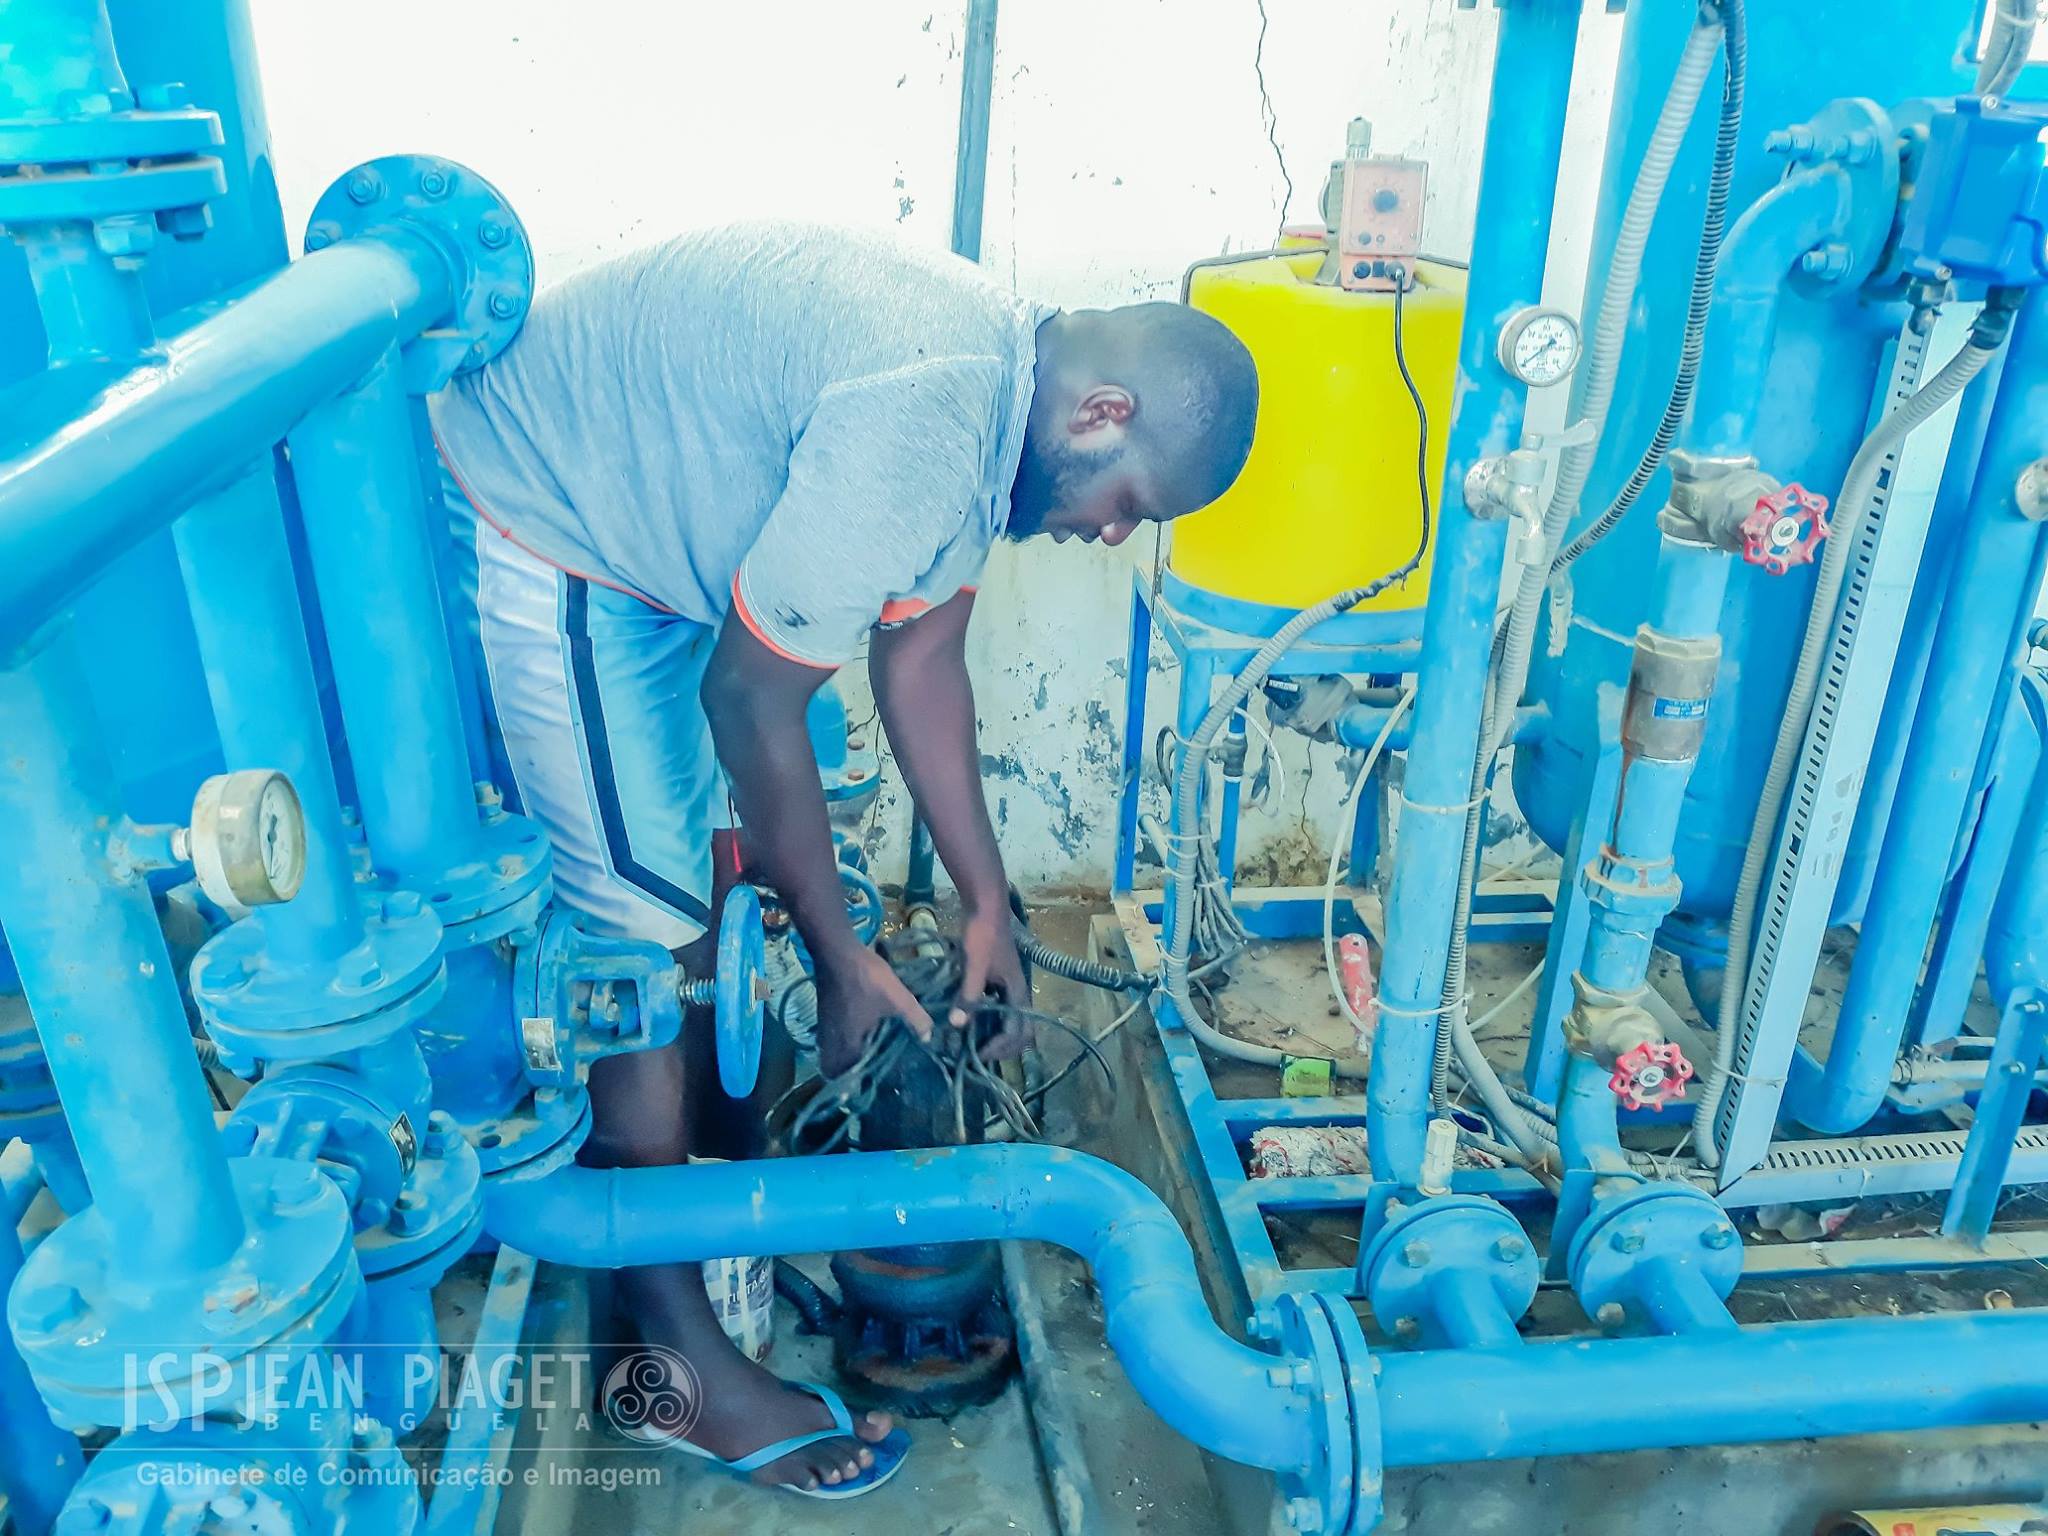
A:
(1509, 1250)
(1415, 1255)
(1629, 1241)
(504, 305)
(365, 187)
(47, 1308)
(1610, 1315)
(1407, 1327)
(125, 234)
(434, 182)
(492, 234)
(1304, 1514)
(1719, 1235)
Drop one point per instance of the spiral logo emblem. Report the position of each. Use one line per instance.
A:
(653, 1394)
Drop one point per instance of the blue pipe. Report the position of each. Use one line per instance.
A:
(363, 503)
(259, 674)
(1517, 190)
(39, 1462)
(99, 981)
(1588, 1120)
(1965, 924)
(2016, 945)
(1970, 653)
(401, 1352)
(1223, 1395)
(1677, 1298)
(1797, 214)
(1359, 727)
(94, 457)
(1786, 1381)
(1945, 530)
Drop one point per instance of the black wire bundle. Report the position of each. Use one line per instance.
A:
(931, 966)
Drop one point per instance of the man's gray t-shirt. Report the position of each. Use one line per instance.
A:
(818, 426)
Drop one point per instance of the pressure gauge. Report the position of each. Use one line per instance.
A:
(248, 838)
(1539, 346)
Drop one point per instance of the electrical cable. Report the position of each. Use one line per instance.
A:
(1514, 641)
(1713, 227)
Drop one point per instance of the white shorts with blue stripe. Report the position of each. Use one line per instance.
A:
(597, 732)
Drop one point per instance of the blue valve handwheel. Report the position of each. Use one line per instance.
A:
(739, 1009)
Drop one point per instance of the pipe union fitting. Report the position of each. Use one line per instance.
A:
(1670, 682)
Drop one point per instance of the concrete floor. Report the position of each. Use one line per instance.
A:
(980, 1472)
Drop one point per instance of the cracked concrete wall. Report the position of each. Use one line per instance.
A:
(1128, 137)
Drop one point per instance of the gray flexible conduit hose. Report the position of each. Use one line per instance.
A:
(1713, 227)
(1859, 485)
(1511, 671)
(2007, 49)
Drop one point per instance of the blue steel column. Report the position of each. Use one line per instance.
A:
(1987, 589)
(360, 494)
(265, 700)
(93, 963)
(1518, 186)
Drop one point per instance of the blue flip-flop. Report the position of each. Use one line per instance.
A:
(888, 1452)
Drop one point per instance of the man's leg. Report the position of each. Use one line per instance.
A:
(594, 696)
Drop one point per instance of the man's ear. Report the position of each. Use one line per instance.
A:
(1103, 406)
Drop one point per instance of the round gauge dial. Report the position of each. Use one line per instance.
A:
(247, 841)
(1540, 346)
(281, 829)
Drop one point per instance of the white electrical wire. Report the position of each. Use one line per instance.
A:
(1346, 823)
(1277, 795)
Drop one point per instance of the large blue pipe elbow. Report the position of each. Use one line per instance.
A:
(1225, 1396)
(1792, 218)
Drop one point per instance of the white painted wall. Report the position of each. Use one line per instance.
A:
(1128, 138)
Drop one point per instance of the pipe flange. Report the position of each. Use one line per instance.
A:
(475, 228)
(541, 1135)
(129, 165)
(1339, 1492)
(1671, 1222)
(436, 1217)
(1854, 136)
(504, 891)
(247, 1480)
(84, 1311)
(1403, 1266)
(259, 1009)
(415, 1194)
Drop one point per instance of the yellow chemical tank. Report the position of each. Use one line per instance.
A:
(1328, 499)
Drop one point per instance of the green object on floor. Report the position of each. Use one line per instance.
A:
(1304, 1077)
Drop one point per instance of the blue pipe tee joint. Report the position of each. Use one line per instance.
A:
(1451, 1272)
(1658, 1258)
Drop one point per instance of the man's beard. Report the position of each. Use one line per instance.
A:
(1048, 477)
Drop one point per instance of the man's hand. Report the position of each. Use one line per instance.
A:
(992, 965)
(855, 995)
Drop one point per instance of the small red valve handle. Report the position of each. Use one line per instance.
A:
(1649, 1076)
(1785, 529)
